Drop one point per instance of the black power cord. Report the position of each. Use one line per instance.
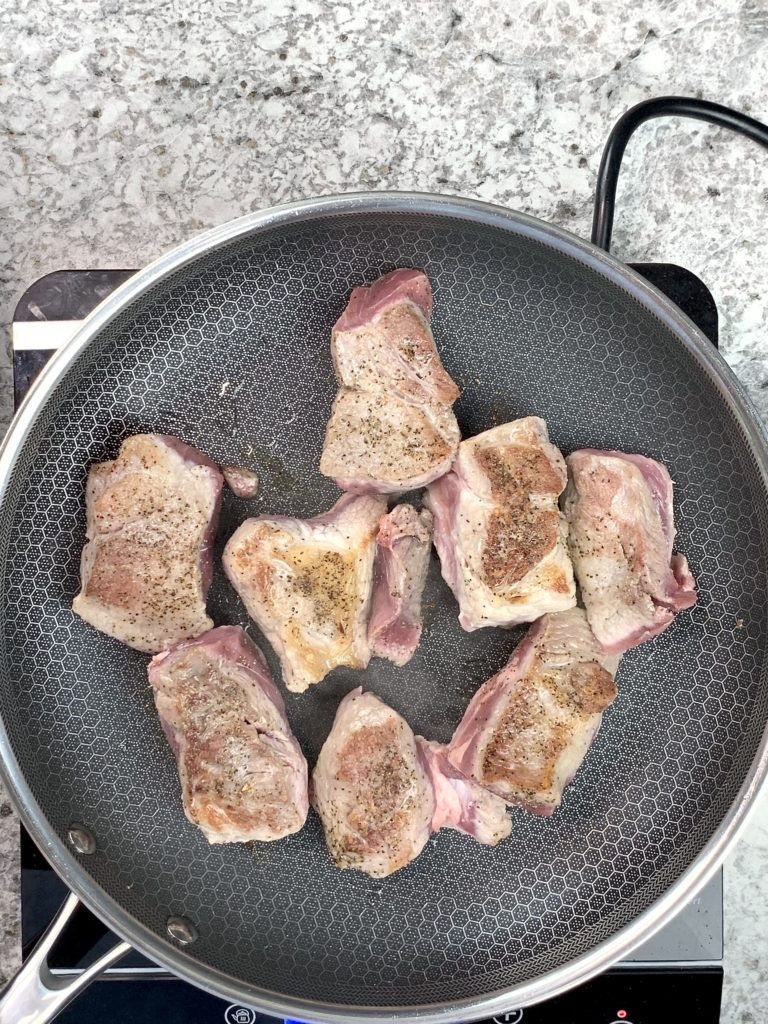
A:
(662, 106)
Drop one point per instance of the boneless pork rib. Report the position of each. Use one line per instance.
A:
(372, 788)
(151, 520)
(380, 791)
(403, 546)
(307, 584)
(528, 728)
(621, 533)
(243, 776)
(498, 530)
(392, 427)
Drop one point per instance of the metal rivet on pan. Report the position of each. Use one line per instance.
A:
(81, 839)
(181, 930)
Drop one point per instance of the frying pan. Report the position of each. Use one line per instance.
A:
(225, 342)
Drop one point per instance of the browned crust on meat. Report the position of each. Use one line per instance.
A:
(516, 540)
(526, 744)
(326, 578)
(246, 559)
(372, 765)
(518, 535)
(213, 711)
(587, 689)
(223, 809)
(131, 573)
(553, 578)
(517, 471)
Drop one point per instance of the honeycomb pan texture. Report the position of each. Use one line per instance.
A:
(232, 355)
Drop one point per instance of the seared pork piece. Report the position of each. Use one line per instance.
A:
(460, 802)
(392, 427)
(527, 729)
(403, 546)
(151, 520)
(243, 775)
(372, 789)
(621, 532)
(307, 584)
(498, 531)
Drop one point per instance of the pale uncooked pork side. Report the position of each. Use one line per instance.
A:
(621, 536)
(403, 547)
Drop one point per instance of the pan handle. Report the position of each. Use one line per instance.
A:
(661, 106)
(36, 995)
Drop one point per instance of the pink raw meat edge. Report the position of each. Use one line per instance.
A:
(368, 302)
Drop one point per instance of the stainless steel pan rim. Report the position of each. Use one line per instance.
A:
(642, 927)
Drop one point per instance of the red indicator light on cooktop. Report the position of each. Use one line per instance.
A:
(621, 1013)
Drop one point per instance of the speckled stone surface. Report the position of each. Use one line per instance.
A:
(129, 127)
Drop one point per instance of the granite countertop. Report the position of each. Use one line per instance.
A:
(130, 127)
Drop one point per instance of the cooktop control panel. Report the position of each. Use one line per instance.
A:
(670, 996)
(624, 996)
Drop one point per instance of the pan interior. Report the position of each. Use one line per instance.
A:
(231, 354)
